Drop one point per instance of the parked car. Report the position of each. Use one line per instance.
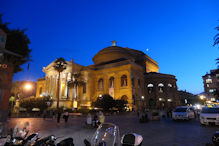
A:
(183, 113)
(209, 115)
(155, 116)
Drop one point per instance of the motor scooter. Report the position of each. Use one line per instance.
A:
(107, 134)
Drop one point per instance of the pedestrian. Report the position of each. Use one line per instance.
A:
(95, 121)
(101, 117)
(65, 116)
(89, 120)
(138, 113)
(44, 114)
(53, 114)
(59, 116)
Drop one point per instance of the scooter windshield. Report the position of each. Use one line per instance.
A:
(107, 134)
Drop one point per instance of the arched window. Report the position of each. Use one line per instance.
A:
(139, 83)
(124, 81)
(84, 88)
(40, 90)
(160, 87)
(170, 85)
(111, 82)
(150, 88)
(133, 81)
(100, 84)
(124, 97)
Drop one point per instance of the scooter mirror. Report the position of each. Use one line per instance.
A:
(87, 143)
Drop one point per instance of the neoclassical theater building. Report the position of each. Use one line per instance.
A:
(121, 72)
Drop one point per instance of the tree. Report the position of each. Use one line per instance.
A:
(41, 103)
(59, 65)
(17, 42)
(216, 42)
(106, 102)
(121, 104)
(76, 81)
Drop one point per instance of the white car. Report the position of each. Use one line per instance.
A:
(209, 115)
(183, 113)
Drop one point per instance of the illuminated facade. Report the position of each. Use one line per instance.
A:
(117, 71)
(211, 83)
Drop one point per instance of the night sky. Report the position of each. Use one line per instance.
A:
(178, 34)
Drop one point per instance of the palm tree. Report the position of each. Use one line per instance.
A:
(216, 42)
(76, 81)
(59, 65)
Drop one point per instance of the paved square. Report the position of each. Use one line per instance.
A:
(165, 132)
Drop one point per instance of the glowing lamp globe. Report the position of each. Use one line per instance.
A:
(28, 86)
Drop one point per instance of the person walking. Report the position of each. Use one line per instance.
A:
(89, 120)
(101, 117)
(65, 116)
(58, 116)
(44, 114)
(138, 113)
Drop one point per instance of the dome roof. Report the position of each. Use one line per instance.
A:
(113, 53)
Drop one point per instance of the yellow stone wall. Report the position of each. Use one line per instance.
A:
(151, 66)
(93, 77)
(40, 84)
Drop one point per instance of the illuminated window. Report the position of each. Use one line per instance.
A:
(100, 84)
(160, 87)
(124, 81)
(111, 82)
(208, 81)
(211, 90)
(150, 88)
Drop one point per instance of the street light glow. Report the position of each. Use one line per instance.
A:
(28, 86)
(202, 97)
(142, 97)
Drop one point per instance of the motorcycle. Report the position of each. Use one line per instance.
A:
(19, 137)
(215, 138)
(107, 134)
(50, 141)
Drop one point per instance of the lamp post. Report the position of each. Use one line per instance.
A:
(203, 98)
(142, 97)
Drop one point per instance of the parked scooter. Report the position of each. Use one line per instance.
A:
(107, 134)
(215, 138)
(50, 141)
(19, 136)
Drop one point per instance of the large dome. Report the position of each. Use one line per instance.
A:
(113, 53)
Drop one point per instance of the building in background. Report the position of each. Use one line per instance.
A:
(23, 89)
(211, 83)
(121, 72)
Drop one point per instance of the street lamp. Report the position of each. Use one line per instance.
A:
(202, 97)
(28, 86)
(142, 97)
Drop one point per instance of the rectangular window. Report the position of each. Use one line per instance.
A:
(211, 90)
(208, 81)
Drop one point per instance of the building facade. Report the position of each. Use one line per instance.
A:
(211, 83)
(120, 72)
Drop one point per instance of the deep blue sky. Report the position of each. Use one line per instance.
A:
(178, 33)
